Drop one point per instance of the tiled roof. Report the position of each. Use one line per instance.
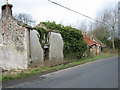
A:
(90, 42)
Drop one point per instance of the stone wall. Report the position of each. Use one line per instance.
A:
(14, 45)
(56, 47)
(36, 49)
(20, 47)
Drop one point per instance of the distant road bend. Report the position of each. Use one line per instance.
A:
(97, 74)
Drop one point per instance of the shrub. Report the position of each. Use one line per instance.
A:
(74, 45)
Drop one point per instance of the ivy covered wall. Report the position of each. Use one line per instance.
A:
(74, 45)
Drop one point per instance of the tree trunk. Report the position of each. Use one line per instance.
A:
(113, 38)
(113, 43)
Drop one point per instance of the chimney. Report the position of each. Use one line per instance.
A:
(92, 38)
(84, 34)
(7, 10)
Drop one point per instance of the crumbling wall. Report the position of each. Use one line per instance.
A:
(35, 48)
(14, 45)
(56, 47)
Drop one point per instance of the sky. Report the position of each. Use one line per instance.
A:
(43, 10)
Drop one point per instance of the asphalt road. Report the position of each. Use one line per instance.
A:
(97, 74)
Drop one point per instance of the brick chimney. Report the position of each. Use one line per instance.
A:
(7, 10)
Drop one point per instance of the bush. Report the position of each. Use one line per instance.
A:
(74, 45)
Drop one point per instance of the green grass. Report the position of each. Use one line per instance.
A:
(47, 69)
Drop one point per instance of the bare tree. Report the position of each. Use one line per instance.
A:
(110, 22)
(25, 18)
(83, 25)
(107, 25)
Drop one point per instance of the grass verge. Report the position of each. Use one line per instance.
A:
(46, 69)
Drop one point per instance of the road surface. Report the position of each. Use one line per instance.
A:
(97, 74)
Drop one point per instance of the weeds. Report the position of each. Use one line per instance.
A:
(47, 69)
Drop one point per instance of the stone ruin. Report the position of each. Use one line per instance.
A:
(20, 46)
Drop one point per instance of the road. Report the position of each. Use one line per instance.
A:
(97, 74)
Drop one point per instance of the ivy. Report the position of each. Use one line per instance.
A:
(74, 45)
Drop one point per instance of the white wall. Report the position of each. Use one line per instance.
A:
(56, 47)
(36, 49)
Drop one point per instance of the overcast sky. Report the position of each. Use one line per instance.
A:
(43, 10)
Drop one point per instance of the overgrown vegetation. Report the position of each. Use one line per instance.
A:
(43, 35)
(74, 45)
